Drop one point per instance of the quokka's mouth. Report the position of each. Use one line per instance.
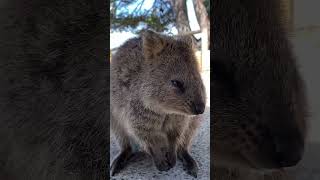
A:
(177, 112)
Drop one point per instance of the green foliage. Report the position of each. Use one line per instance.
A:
(129, 15)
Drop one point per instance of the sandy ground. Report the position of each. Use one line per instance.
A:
(141, 166)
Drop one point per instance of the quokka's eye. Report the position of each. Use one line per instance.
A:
(177, 84)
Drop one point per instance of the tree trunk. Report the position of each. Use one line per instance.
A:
(203, 19)
(180, 10)
(182, 20)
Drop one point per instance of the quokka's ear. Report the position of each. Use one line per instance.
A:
(152, 43)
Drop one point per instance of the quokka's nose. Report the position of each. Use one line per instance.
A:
(198, 108)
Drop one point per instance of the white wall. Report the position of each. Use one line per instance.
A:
(307, 49)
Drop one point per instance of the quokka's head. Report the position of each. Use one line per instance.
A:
(172, 83)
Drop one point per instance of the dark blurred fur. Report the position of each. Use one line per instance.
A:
(258, 101)
(53, 90)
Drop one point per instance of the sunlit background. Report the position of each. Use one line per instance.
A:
(118, 38)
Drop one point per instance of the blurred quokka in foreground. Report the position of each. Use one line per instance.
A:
(156, 91)
(258, 95)
(54, 96)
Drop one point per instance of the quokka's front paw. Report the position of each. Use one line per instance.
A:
(163, 158)
(189, 164)
(120, 161)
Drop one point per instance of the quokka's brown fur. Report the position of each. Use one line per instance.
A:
(156, 93)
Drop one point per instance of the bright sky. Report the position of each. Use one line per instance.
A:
(118, 38)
